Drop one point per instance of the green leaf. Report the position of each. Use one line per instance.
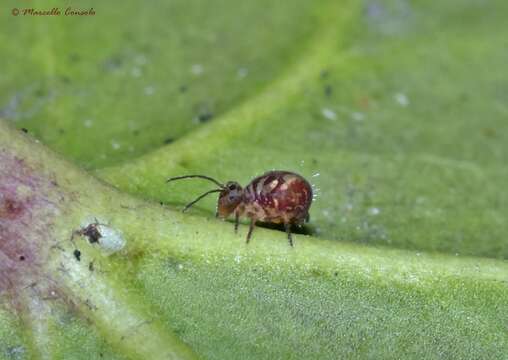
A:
(405, 147)
(134, 76)
(395, 111)
(157, 272)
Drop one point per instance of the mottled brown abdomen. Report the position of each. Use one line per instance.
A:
(278, 197)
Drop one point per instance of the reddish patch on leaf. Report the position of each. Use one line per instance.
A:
(10, 208)
(29, 204)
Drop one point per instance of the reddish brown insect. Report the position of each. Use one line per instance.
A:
(278, 197)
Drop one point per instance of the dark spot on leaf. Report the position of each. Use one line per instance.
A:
(91, 266)
(113, 63)
(11, 208)
(77, 254)
(316, 272)
(65, 79)
(168, 140)
(40, 92)
(183, 88)
(184, 163)
(92, 233)
(74, 57)
(328, 90)
(179, 331)
(25, 130)
(205, 116)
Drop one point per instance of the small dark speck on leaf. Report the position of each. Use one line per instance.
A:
(204, 117)
(182, 88)
(40, 92)
(324, 73)
(168, 140)
(335, 273)
(65, 79)
(25, 130)
(77, 254)
(74, 57)
(161, 203)
(91, 266)
(113, 63)
(328, 90)
(92, 233)
(11, 208)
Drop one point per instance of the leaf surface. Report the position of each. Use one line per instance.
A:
(394, 110)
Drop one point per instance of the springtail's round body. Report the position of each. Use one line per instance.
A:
(278, 197)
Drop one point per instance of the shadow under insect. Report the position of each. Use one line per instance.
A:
(306, 229)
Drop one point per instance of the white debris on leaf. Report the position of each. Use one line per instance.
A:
(111, 240)
(141, 59)
(197, 69)
(115, 145)
(374, 211)
(401, 99)
(242, 72)
(136, 72)
(358, 116)
(329, 114)
(149, 90)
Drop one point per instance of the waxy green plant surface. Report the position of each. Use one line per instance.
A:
(396, 111)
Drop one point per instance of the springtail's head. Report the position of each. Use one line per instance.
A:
(229, 198)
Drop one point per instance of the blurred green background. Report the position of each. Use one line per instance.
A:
(405, 119)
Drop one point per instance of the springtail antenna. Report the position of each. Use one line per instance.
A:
(196, 176)
(199, 198)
